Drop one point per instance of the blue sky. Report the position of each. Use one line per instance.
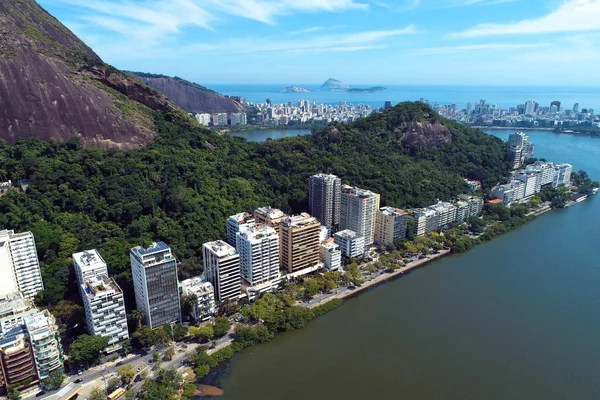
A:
(478, 42)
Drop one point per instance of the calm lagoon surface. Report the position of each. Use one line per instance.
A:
(516, 318)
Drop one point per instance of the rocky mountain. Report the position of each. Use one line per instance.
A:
(372, 89)
(294, 89)
(53, 86)
(333, 85)
(189, 95)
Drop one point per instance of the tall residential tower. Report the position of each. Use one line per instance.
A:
(359, 212)
(23, 263)
(222, 269)
(324, 199)
(154, 271)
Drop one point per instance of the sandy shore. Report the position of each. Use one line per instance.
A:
(382, 278)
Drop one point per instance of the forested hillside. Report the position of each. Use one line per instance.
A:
(182, 187)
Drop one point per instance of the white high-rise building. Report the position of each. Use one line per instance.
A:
(324, 199)
(238, 119)
(205, 297)
(237, 222)
(358, 212)
(104, 309)
(203, 119)
(222, 269)
(562, 175)
(351, 243)
(530, 107)
(331, 255)
(88, 264)
(446, 212)
(8, 281)
(155, 282)
(23, 263)
(258, 248)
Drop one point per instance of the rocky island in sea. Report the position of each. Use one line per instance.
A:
(334, 85)
(294, 89)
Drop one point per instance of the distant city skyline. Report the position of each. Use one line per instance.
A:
(466, 42)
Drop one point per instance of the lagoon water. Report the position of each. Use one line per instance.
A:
(516, 318)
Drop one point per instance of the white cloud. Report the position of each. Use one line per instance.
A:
(267, 10)
(477, 48)
(571, 16)
(307, 30)
(358, 41)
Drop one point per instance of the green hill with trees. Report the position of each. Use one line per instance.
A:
(184, 184)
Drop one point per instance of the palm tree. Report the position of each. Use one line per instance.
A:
(190, 303)
(137, 316)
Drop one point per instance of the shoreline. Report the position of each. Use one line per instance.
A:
(386, 276)
(508, 128)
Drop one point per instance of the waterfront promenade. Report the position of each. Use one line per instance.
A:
(383, 277)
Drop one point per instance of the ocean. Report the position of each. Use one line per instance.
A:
(502, 96)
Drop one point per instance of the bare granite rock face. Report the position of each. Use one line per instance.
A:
(53, 86)
(190, 96)
(425, 134)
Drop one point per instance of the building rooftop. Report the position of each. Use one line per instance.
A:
(298, 221)
(270, 212)
(153, 248)
(197, 284)
(38, 322)
(100, 285)
(441, 206)
(330, 245)
(256, 233)
(362, 193)
(348, 234)
(221, 248)
(242, 218)
(495, 201)
(14, 303)
(392, 211)
(89, 259)
(325, 176)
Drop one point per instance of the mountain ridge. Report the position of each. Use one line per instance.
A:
(59, 88)
(188, 95)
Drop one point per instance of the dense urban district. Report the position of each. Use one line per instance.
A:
(136, 272)
(529, 115)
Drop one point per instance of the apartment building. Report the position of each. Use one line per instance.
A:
(358, 212)
(237, 222)
(88, 264)
(205, 297)
(105, 309)
(29, 344)
(390, 225)
(17, 362)
(203, 119)
(446, 214)
(324, 199)
(351, 243)
(23, 262)
(222, 270)
(562, 175)
(155, 283)
(424, 220)
(259, 251)
(331, 255)
(268, 216)
(299, 243)
(45, 343)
